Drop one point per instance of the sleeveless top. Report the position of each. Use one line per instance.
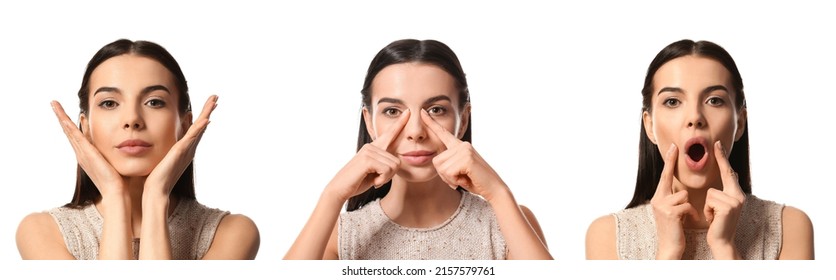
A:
(758, 235)
(191, 228)
(471, 233)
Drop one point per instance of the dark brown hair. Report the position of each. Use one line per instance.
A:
(650, 160)
(86, 191)
(403, 51)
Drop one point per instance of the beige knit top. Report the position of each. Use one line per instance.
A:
(471, 233)
(191, 228)
(758, 234)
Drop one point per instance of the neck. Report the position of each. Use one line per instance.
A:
(135, 187)
(420, 204)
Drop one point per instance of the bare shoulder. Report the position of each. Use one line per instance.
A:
(38, 237)
(600, 239)
(797, 235)
(532, 220)
(236, 238)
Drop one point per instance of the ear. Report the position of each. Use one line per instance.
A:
(647, 120)
(84, 126)
(465, 120)
(185, 124)
(742, 116)
(367, 118)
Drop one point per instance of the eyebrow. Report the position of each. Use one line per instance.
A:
(715, 87)
(704, 91)
(145, 91)
(428, 101)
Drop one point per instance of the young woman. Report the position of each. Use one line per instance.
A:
(693, 195)
(417, 189)
(134, 196)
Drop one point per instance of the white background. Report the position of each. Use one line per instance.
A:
(555, 92)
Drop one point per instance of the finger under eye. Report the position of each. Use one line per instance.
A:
(446, 137)
(386, 139)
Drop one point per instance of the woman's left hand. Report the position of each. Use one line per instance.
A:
(722, 209)
(162, 179)
(461, 165)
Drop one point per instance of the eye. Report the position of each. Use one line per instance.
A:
(108, 104)
(437, 110)
(391, 112)
(155, 103)
(715, 101)
(671, 102)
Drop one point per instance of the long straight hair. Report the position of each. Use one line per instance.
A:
(86, 191)
(650, 159)
(403, 51)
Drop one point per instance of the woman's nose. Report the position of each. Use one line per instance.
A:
(132, 119)
(415, 130)
(696, 119)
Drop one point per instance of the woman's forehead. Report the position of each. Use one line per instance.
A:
(414, 83)
(691, 73)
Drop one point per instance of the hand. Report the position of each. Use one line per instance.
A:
(161, 180)
(373, 165)
(101, 172)
(461, 165)
(722, 209)
(669, 211)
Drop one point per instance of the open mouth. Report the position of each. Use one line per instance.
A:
(696, 152)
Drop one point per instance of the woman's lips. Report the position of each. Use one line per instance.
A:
(134, 147)
(418, 157)
(696, 153)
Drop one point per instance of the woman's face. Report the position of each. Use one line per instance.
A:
(415, 86)
(133, 118)
(693, 107)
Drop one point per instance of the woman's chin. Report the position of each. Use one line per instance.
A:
(417, 175)
(133, 171)
(694, 181)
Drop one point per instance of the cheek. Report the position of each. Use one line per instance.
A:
(450, 123)
(380, 124)
(724, 126)
(663, 129)
(100, 130)
(165, 128)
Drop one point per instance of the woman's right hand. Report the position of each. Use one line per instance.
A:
(103, 175)
(373, 165)
(669, 211)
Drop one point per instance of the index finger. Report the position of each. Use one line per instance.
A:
(386, 139)
(730, 184)
(208, 107)
(446, 137)
(666, 180)
(72, 132)
(59, 112)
